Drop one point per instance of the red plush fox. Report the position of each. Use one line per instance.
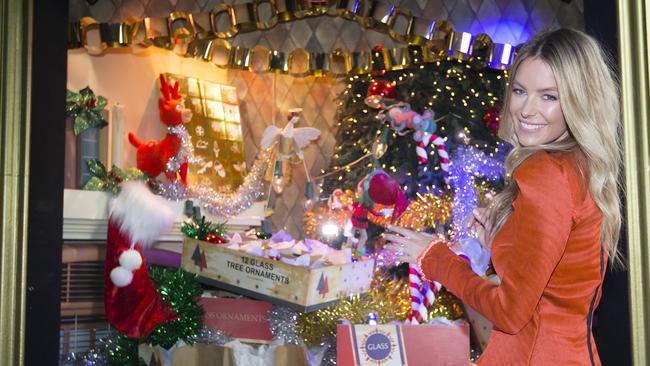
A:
(155, 157)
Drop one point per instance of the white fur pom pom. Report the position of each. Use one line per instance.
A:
(121, 276)
(130, 259)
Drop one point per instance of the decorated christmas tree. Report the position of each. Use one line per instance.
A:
(464, 98)
(413, 123)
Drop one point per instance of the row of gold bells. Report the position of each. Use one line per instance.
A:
(199, 36)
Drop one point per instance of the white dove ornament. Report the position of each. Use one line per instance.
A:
(291, 140)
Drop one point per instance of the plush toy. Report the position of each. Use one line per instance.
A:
(402, 118)
(169, 155)
(376, 187)
(137, 218)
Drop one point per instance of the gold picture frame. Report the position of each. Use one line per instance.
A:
(216, 132)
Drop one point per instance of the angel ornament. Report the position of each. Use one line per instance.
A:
(288, 143)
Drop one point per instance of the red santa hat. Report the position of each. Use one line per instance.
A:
(380, 188)
(137, 218)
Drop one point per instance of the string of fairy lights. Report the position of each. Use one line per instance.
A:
(451, 97)
(476, 167)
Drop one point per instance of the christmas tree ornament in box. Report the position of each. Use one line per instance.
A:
(299, 287)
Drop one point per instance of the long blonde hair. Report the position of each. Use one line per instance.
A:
(588, 92)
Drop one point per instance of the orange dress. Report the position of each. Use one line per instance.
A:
(551, 264)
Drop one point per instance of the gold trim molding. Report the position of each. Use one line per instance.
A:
(634, 32)
(15, 81)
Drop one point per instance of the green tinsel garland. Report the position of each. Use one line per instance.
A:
(199, 228)
(180, 289)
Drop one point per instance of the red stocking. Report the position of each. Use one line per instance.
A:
(132, 303)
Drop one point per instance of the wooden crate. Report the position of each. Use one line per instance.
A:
(300, 288)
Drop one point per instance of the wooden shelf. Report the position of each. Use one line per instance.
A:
(85, 217)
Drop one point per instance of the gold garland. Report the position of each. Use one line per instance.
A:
(388, 298)
(199, 36)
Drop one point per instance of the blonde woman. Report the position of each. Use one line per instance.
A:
(556, 225)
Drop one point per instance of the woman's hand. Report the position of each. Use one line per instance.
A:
(480, 224)
(407, 243)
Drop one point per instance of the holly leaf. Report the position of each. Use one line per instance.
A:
(72, 103)
(72, 97)
(86, 94)
(117, 171)
(133, 174)
(97, 119)
(95, 184)
(100, 103)
(96, 168)
(114, 188)
(81, 123)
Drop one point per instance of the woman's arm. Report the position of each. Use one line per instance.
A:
(542, 222)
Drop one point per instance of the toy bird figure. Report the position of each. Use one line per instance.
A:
(290, 140)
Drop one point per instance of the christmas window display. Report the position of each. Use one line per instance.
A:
(415, 147)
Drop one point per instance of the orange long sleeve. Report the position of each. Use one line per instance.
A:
(542, 222)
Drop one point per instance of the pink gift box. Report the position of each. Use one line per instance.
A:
(246, 320)
(419, 345)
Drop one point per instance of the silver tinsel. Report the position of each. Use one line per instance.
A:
(283, 323)
(218, 204)
(174, 190)
(173, 164)
(209, 336)
(96, 356)
(186, 152)
(385, 258)
(329, 359)
(226, 205)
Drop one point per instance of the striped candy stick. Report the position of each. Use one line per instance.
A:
(430, 293)
(421, 150)
(416, 316)
(422, 296)
(439, 143)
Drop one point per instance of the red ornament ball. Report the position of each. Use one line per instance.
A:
(492, 119)
(378, 91)
(214, 238)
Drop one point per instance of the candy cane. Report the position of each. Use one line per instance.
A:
(439, 143)
(416, 316)
(429, 293)
(422, 296)
(421, 151)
